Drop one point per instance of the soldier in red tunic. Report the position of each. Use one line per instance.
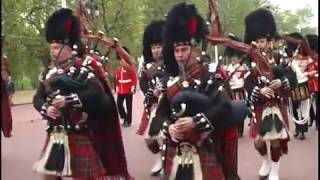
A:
(313, 73)
(126, 82)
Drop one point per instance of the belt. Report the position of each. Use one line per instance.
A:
(71, 128)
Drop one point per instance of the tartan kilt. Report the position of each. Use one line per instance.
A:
(254, 126)
(210, 166)
(85, 163)
(143, 124)
(229, 152)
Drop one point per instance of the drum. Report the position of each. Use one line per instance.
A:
(238, 93)
(301, 92)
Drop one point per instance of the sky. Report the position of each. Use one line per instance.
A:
(296, 4)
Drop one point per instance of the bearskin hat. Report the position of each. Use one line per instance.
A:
(259, 24)
(291, 47)
(230, 52)
(153, 34)
(184, 26)
(63, 27)
(313, 41)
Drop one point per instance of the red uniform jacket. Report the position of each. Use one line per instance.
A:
(126, 80)
(313, 80)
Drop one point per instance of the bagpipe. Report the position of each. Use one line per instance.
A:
(198, 92)
(263, 71)
(191, 94)
(64, 82)
(306, 50)
(68, 83)
(89, 55)
(96, 43)
(306, 85)
(214, 86)
(85, 76)
(262, 66)
(303, 44)
(194, 94)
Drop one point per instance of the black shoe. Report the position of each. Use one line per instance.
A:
(296, 134)
(126, 124)
(156, 174)
(310, 124)
(301, 136)
(263, 177)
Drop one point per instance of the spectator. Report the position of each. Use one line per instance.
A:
(11, 88)
(125, 81)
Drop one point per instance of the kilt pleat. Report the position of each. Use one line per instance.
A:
(229, 152)
(85, 163)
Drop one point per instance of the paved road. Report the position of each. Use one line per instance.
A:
(22, 150)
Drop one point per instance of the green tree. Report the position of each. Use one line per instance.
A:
(233, 12)
(23, 23)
